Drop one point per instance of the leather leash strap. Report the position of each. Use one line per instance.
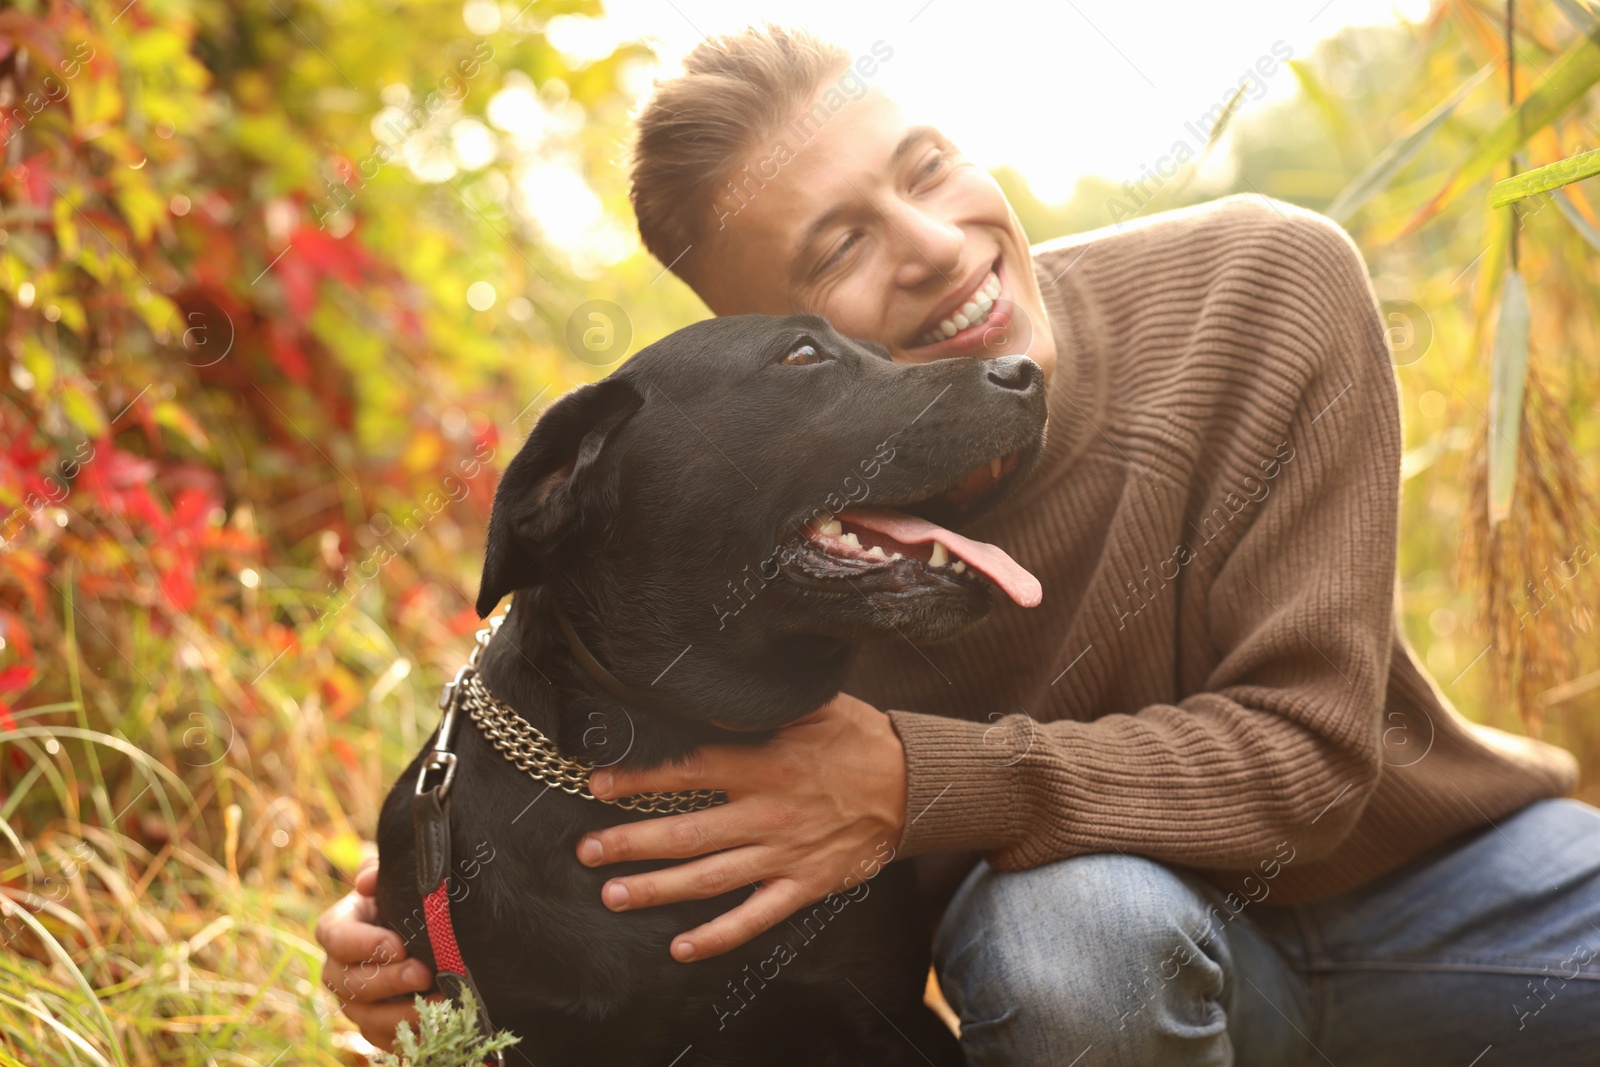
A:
(430, 817)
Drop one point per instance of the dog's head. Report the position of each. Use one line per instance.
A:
(763, 490)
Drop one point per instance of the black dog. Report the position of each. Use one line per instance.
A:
(712, 522)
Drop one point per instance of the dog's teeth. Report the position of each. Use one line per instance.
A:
(940, 557)
(852, 540)
(994, 468)
(959, 566)
(831, 528)
(877, 552)
(897, 556)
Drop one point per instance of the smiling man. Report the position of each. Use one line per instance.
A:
(1203, 804)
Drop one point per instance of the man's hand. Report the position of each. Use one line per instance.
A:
(817, 810)
(367, 964)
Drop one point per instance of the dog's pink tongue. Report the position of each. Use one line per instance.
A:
(992, 561)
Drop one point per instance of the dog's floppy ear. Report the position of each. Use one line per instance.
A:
(538, 499)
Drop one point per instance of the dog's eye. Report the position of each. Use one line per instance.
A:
(802, 355)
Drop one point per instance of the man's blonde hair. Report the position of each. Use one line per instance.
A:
(697, 127)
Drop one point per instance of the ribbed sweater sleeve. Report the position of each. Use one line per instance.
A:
(1282, 741)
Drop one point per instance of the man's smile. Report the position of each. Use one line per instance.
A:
(968, 306)
(966, 322)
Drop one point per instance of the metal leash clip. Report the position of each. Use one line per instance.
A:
(442, 758)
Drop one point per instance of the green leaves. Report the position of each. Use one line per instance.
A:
(447, 1036)
(1571, 76)
(84, 410)
(1509, 376)
(1546, 178)
(1400, 152)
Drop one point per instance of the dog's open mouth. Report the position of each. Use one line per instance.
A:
(913, 551)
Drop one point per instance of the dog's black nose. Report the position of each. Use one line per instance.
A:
(1016, 373)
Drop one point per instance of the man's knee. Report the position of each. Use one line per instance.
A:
(1112, 951)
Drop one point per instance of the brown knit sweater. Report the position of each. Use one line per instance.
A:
(1215, 679)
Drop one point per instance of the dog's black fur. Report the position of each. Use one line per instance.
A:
(664, 508)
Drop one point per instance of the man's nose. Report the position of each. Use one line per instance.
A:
(930, 246)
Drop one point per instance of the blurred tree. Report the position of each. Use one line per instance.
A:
(278, 282)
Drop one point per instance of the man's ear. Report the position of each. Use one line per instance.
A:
(542, 495)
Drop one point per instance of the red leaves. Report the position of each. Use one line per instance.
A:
(13, 680)
(19, 467)
(284, 348)
(311, 257)
(119, 483)
(465, 621)
(342, 258)
(230, 348)
(183, 535)
(16, 678)
(34, 182)
(180, 538)
(345, 753)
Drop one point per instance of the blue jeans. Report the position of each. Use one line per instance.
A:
(1481, 954)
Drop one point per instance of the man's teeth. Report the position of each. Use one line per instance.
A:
(976, 309)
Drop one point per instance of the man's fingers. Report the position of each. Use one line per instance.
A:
(378, 1021)
(366, 882)
(766, 907)
(708, 767)
(673, 838)
(363, 983)
(347, 938)
(709, 876)
(332, 915)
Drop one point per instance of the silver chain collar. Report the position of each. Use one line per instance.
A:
(531, 752)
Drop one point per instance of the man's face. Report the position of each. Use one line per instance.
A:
(885, 229)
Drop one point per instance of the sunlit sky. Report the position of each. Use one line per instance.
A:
(1055, 88)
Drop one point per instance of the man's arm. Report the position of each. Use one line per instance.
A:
(1282, 741)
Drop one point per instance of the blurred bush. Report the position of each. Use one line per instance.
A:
(276, 295)
(1395, 131)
